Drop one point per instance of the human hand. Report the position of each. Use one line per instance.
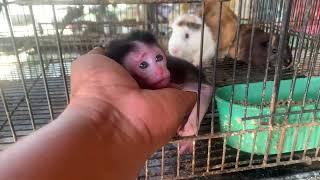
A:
(108, 130)
(149, 117)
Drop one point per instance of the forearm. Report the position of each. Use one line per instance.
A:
(75, 146)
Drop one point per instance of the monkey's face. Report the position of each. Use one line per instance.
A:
(148, 65)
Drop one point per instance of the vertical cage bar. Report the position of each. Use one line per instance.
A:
(294, 143)
(146, 170)
(214, 66)
(317, 150)
(27, 99)
(41, 62)
(208, 155)
(293, 83)
(238, 152)
(305, 52)
(311, 67)
(252, 150)
(178, 159)
(253, 17)
(273, 16)
(193, 156)
(249, 63)
(200, 64)
(63, 71)
(234, 66)
(6, 109)
(307, 143)
(224, 152)
(162, 162)
(278, 71)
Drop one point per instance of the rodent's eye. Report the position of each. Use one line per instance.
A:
(159, 57)
(143, 65)
(274, 51)
(186, 36)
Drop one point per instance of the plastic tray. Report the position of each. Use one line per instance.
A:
(223, 97)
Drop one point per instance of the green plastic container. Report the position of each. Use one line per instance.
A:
(223, 96)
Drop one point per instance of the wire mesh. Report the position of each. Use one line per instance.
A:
(37, 49)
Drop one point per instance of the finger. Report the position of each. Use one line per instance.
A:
(95, 69)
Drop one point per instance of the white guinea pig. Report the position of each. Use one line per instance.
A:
(185, 40)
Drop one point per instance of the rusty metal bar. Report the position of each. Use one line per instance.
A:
(238, 152)
(294, 143)
(278, 72)
(214, 64)
(300, 47)
(6, 109)
(252, 151)
(253, 17)
(208, 155)
(317, 150)
(178, 159)
(63, 71)
(280, 114)
(250, 168)
(311, 21)
(300, 44)
(146, 175)
(225, 134)
(234, 66)
(162, 162)
(41, 62)
(302, 110)
(193, 156)
(311, 67)
(277, 77)
(307, 143)
(200, 63)
(26, 94)
(224, 152)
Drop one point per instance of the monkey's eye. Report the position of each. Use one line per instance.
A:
(274, 51)
(143, 65)
(186, 36)
(159, 57)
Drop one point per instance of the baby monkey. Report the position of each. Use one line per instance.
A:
(141, 55)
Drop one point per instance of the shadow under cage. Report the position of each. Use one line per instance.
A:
(261, 116)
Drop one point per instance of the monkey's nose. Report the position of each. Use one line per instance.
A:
(160, 72)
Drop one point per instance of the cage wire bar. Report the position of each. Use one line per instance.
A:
(28, 103)
(19, 64)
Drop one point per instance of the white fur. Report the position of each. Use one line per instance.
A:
(189, 49)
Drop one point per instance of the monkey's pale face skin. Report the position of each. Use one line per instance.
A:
(148, 65)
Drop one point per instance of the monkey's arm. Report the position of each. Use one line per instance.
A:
(191, 127)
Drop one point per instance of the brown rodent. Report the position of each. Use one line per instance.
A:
(228, 24)
(259, 47)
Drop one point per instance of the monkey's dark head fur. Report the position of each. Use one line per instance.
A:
(119, 48)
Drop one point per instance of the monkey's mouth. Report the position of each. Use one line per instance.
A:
(162, 82)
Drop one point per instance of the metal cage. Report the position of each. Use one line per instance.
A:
(36, 52)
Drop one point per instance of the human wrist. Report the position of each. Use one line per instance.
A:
(121, 141)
